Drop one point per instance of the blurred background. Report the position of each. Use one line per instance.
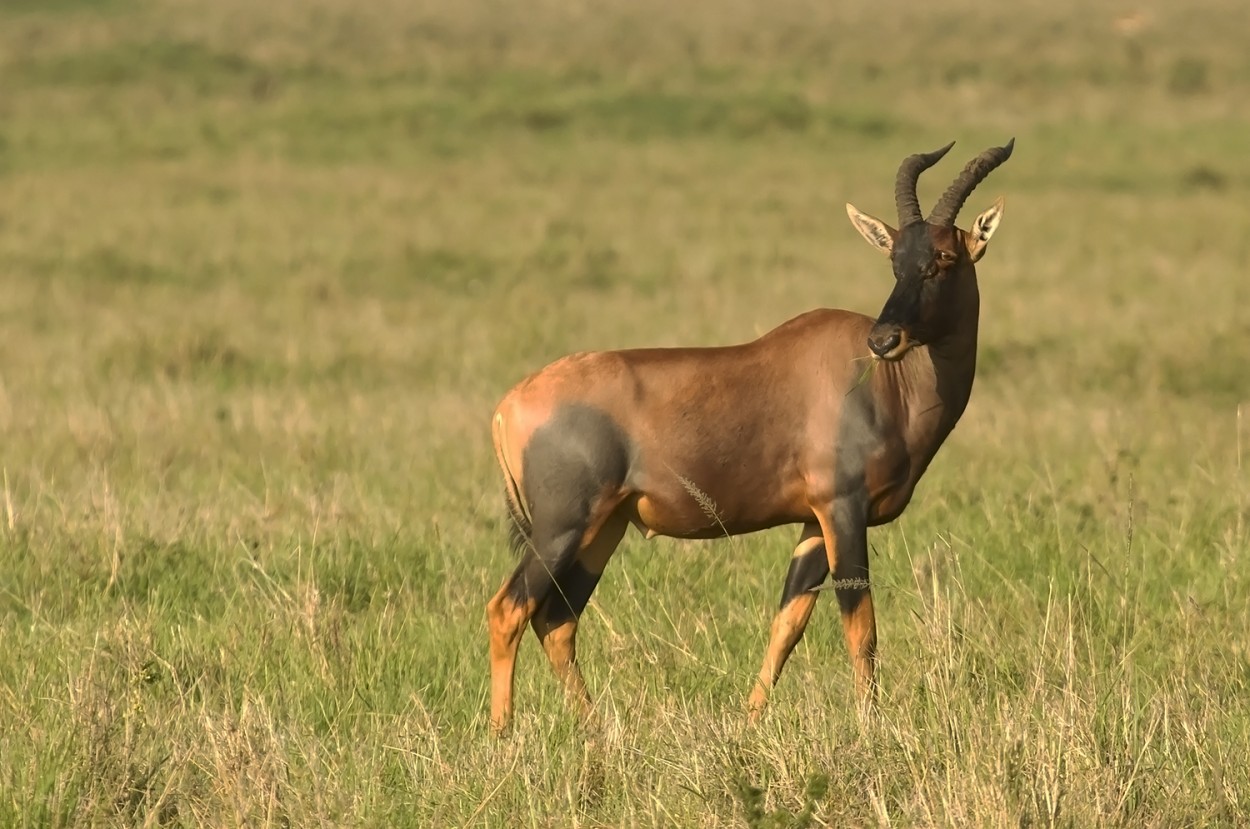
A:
(265, 268)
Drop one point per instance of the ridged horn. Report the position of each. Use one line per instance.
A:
(953, 199)
(905, 185)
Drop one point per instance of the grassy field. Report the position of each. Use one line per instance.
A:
(265, 268)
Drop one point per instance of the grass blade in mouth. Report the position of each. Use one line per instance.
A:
(866, 374)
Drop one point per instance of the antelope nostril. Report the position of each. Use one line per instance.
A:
(883, 347)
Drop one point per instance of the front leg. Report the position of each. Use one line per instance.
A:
(808, 568)
(845, 528)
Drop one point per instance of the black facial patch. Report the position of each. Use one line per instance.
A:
(913, 254)
(905, 303)
(913, 258)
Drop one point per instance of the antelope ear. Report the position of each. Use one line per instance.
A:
(983, 227)
(879, 234)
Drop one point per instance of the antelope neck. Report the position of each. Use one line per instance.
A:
(939, 373)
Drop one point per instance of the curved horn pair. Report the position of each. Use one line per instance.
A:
(953, 199)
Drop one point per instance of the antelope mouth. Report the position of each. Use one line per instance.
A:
(890, 346)
(894, 355)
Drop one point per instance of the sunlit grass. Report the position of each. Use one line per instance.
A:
(267, 268)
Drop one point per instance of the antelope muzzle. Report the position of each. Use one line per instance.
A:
(889, 341)
(892, 336)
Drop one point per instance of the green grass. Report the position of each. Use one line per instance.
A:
(267, 267)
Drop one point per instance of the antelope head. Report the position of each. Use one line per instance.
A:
(933, 260)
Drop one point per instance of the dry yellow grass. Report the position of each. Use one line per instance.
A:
(267, 267)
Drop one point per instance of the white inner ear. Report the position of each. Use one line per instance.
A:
(983, 228)
(985, 225)
(871, 228)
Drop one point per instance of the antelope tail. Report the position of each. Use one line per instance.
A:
(520, 528)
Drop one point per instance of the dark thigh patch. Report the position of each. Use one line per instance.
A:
(577, 436)
(571, 593)
(569, 461)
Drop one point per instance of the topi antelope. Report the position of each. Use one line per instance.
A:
(787, 429)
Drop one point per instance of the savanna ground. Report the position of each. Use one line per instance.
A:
(266, 268)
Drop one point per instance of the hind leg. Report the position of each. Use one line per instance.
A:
(512, 607)
(809, 566)
(561, 535)
(505, 616)
(574, 466)
(555, 622)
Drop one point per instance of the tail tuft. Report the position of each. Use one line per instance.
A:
(520, 531)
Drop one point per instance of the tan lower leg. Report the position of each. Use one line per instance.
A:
(787, 628)
(560, 644)
(860, 625)
(506, 620)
